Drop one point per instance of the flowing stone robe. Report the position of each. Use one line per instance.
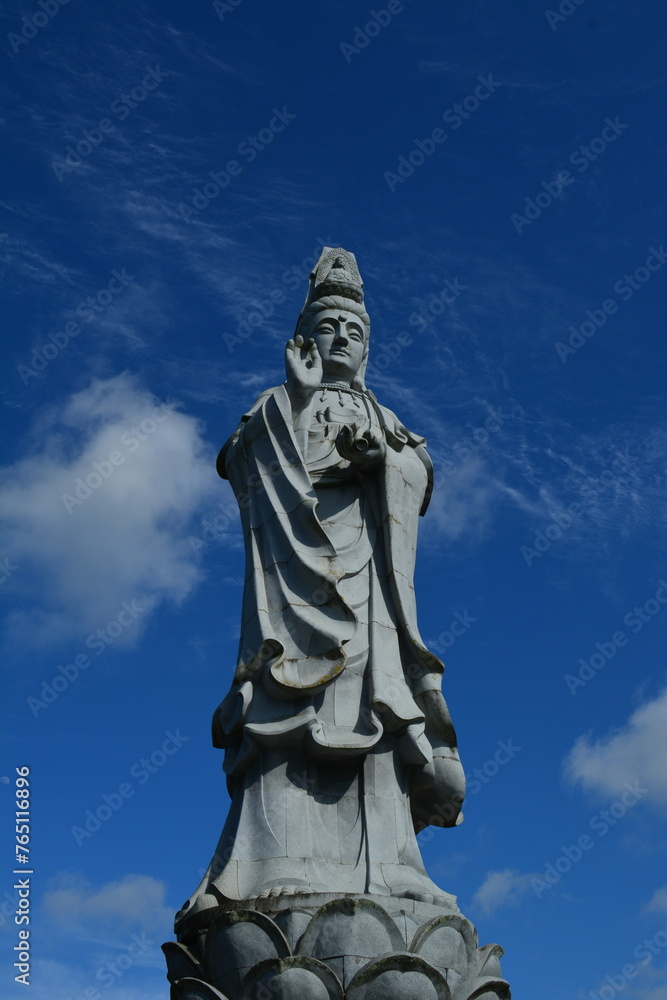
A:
(338, 740)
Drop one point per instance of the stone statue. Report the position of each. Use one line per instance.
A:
(339, 746)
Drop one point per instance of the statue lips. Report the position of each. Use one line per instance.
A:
(338, 352)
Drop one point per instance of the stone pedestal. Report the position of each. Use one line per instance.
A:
(328, 947)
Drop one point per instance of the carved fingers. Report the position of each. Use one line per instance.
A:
(302, 359)
(303, 366)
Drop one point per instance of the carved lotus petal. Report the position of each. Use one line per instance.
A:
(181, 963)
(293, 923)
(483, 989)
(298, 977)
(448, 942)
(399, 977)
(488, 961)
(350, 945)
(194, 989)
(346, 933)
(236, 942)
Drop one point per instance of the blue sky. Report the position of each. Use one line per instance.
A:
(498, 170)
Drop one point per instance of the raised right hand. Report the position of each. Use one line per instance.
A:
(303, 366)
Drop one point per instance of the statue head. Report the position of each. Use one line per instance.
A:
(334, 316)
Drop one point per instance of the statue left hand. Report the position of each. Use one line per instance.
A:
(364, 447)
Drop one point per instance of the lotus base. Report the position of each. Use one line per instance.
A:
(328, 947)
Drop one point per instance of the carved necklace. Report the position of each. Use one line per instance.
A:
(341, 388)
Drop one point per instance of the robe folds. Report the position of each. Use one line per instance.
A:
(338, 741)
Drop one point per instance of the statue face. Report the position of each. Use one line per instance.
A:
(340, 336)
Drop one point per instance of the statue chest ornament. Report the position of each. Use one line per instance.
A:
(335, 408)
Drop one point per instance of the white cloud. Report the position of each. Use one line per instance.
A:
(637, 752)
(656, 992)
(501, 888)
(134, 902)
(658, 901)
(90, 927)
(56, 979)
(87, 535)
(465, 502)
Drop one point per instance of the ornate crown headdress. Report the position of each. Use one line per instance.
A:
(337, 274)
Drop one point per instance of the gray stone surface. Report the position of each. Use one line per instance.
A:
(335, 715)
(352, 947)
(339, 746)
